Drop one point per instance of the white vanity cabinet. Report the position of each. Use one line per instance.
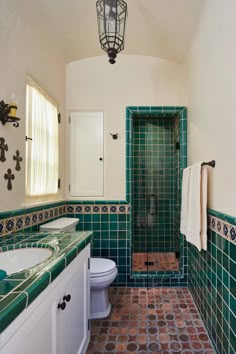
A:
(57, 320)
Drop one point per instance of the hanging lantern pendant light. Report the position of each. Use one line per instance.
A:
(111, 15)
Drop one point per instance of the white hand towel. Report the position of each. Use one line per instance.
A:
(184, 203)
(193, 231)
(204, 208)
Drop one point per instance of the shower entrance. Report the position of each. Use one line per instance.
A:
(156, 156)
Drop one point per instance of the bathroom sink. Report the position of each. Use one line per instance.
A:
(14, 261)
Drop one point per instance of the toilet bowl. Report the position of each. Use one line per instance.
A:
(102, 273)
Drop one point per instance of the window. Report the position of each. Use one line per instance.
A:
(42, 150)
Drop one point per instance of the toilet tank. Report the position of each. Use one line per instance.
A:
(61, 224)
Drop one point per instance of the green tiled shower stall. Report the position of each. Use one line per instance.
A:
(156, 156)
(154, 187)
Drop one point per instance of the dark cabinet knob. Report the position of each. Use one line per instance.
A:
(100, 158)
(67, 298)
(62, 306)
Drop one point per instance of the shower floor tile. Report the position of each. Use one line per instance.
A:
(158, 320)
(163, 261)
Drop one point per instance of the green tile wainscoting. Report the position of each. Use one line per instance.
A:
(212, 281)
(211, 275)
(111, 226)
(110, 222)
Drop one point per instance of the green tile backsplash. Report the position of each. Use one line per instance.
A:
(212, 281)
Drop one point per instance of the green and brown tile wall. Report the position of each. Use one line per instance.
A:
(212, 281)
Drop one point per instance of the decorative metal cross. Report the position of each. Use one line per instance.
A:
(9, 177)
(18, 159)
(3, 148)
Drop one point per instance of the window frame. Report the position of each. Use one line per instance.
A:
(46, 195)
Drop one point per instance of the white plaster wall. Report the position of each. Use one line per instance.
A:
(94, 84)
(212, 101)
(26, 49)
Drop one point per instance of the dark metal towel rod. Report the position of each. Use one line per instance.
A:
(210, 163)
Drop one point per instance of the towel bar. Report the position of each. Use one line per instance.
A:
(210, 163)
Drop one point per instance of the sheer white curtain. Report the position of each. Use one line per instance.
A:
(42, 150)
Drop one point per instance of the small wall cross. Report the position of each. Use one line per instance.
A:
(3, 149)
(9, 177)
(18, 159)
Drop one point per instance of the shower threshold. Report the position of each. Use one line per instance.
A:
(155, 261)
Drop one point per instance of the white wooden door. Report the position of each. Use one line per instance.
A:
(86, 154)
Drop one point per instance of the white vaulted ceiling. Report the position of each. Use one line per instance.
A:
(160, 28)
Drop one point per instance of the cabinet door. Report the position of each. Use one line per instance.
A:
(37, 334)
(73, 320)
(86, 154)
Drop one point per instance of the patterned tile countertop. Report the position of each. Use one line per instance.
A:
(18, 290)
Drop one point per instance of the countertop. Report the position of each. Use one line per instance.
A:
(18, 290)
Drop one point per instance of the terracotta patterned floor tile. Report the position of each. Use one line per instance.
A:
(160, 321)
(162, 261)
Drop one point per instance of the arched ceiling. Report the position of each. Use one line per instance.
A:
(159, 28)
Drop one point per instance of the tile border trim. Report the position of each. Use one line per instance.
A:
(98, 208)
(223, 224)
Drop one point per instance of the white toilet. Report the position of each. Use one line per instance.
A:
(102, 271)
(61, 224)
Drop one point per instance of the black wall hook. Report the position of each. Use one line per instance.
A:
(114, 136)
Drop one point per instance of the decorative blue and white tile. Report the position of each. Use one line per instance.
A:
(27, 220)
(40, 217)
(104, 209)
(233, 233)
(2, 227)
(222, 228)
(78, 209)
(34, 219)
(87, 209)
(70, 209)
(113, 208)
(9, 225)
(19, 223)
(96, 209)
(23, 221)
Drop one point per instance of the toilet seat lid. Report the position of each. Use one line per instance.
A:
(101, 266)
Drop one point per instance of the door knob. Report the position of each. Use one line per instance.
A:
(67, 298)
(62, 306)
